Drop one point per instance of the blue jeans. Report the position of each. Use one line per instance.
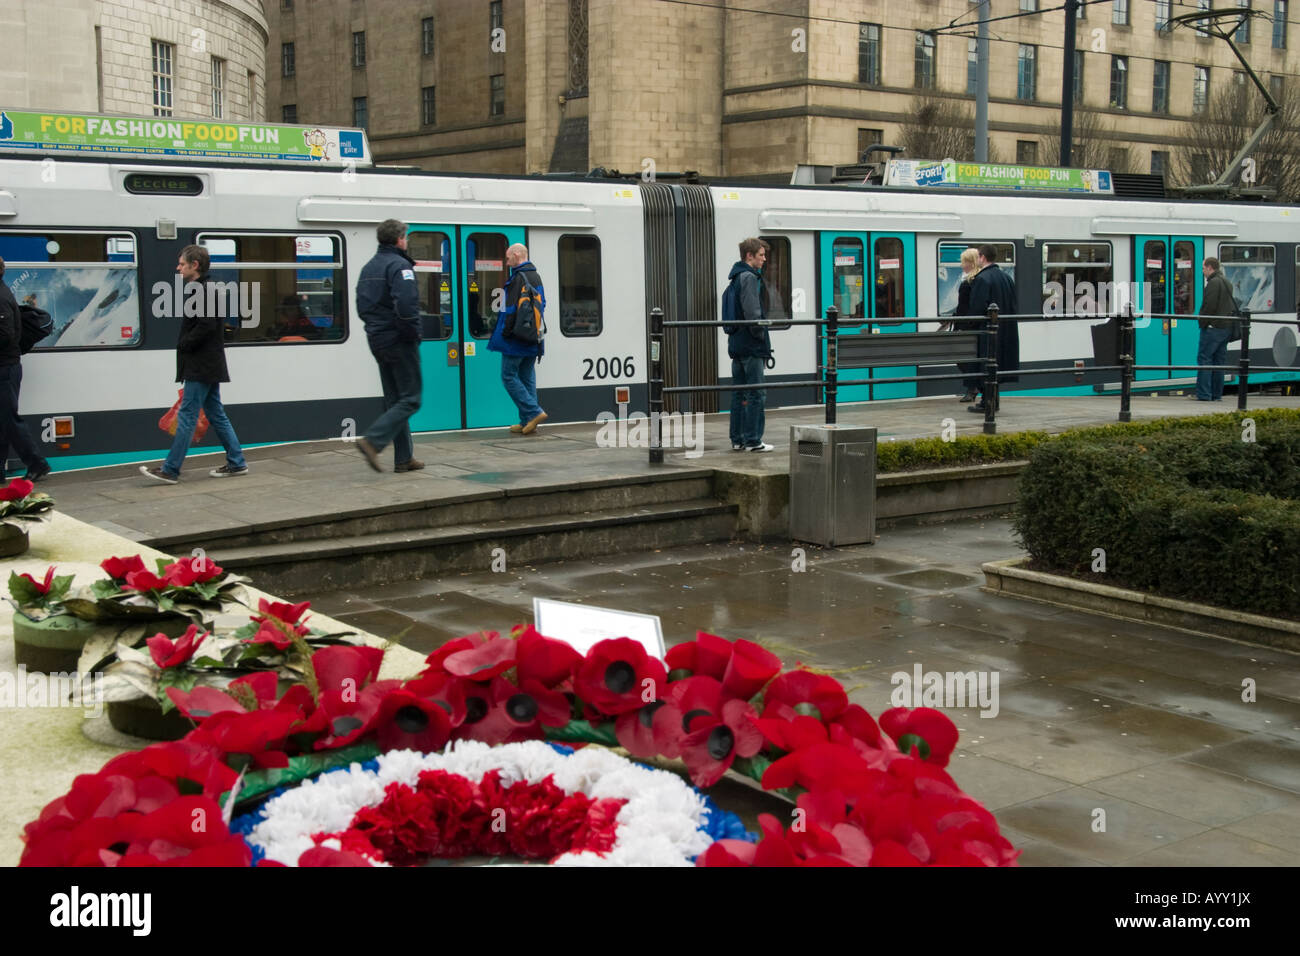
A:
(518, 374)
(1212, 350)
(748, 419)
(13, 432)
(399, 375)
(206, 396)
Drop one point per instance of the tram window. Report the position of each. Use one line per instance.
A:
(433, 271)
(486, 258)
(1073, 273)
(1187, 274)
(283, 288)
(847, 277)
(950, 274)
(1251, 270)
(888, 251)
(580, 298)
(777, 282)
(86, 280)
(1153, 274)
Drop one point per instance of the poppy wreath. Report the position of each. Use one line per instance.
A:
(865, 793)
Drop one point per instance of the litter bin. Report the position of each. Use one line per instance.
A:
(833, 484)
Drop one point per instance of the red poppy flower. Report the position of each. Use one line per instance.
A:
(483, 661)
(146, 581)
(279, 623)
(16, 490)
(119, 568)
(690, 704)
(258, 733)
(434, 661)
(749, 669)
(409, 722)
(517, 713)
(41, 587)
(444, 690)
(858, 723)
(727, 853)
(182, 574)
(203, 701)
(618, 676)
(924, 732)
(324, 856)
(548, 661)
(819, 767)
(167, 653)
(773, 849)
(709, 751)
(349, 704)
(706, 656)
(802, 689)
(638, 735)
(199, 763)
(187, 831)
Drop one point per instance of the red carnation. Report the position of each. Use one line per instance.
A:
(167, 653)
(618, 676)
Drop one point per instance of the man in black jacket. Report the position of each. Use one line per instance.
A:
(748, 346)
(13, 433)
(388, 301)
(992, 286)
(1217, 307)
(201, 366)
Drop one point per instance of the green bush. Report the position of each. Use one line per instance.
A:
(1194, 512)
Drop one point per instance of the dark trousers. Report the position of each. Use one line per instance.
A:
(399, 375)
(13, 433)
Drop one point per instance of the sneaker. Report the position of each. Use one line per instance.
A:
(157, 474)
(761, 447)
(412, 465)
(228, 471)
(532, 425)
(517, 429)
(735, 447)
(38, 472)
(370, 454)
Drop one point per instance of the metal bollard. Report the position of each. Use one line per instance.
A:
(1126, 350)
(1243, 363)
(991, 373)
(656, 383)
(832, 362)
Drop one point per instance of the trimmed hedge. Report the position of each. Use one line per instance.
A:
(1193, 513)
(981, 449)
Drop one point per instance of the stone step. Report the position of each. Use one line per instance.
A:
(380, 558)
(472, 508)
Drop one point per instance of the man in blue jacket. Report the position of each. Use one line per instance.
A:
(388, 301)
(749, 346)
(519, 358)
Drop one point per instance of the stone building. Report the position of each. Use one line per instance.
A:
(194, 58)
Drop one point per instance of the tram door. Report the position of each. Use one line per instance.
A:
(460, 270)
(871, 278)
(1170, 285)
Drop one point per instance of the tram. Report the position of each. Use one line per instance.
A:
(94, 211)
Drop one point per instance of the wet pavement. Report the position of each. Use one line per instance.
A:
(1113, 743)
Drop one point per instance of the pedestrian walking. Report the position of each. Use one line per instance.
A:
(519, 357)
(201, 368)
(388, 301)
(13, 431)
(992, 286)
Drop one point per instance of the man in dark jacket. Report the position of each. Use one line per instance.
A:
(749, 347)
(519, 358)
(388, 301)
(13, 433)
(201, 366)
(992, 286)
(1217, 308)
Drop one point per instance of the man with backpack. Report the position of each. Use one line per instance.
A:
(749, 346)
(13, 432)
(518, 336)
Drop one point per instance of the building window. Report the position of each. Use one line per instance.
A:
(359, 112)
(218, 85)
(1200, 88)
(1279, 24)
(428, 108)
(1119, 12)
(1159, 162)
(580, 298)
(1027, 72)
(1202, 5)
(577, 38)
(869, 53)
(1277, 87)
(289, 113)
(924, 62)
(254, 101)
(1078, 76)
(1243, 32)
(972, 67)
(426, 36)
(359, 50)
(495, 19)
(1081, 12)
(1160, 87)
(497, 105)
(163, 56)
(1027, 152)
(1029, 6)
(866, 139)
(286, 59)
(286, 4)
(1119, 82)
(1162, 16)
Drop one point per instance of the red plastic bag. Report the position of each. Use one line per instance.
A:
(168, 422)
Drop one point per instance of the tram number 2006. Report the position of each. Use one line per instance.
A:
(608, 368)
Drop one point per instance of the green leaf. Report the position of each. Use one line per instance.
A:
(258, 783)
(23, 591)
(581, 731)
(104, 588)
(182, 678)
(59, 587)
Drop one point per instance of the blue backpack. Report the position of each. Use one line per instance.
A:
(730, 308)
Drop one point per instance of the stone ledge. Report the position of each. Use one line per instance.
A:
(1010, 579)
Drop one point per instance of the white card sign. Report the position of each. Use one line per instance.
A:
(582, 626)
